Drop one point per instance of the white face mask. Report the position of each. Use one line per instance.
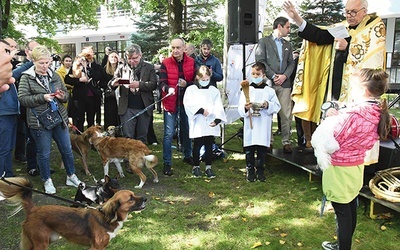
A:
(204, 83)
(257, 80)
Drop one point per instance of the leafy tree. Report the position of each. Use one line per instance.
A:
(318, 12)
(197, 21)
(152, 32)
(46, 16)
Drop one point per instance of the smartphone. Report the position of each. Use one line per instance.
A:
(123, 81)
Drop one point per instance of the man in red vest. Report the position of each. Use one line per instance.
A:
(177, 72)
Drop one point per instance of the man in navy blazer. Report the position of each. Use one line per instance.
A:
(276, 53)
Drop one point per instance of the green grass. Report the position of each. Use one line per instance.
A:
(223, 213)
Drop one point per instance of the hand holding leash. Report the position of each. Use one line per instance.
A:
(171, 91)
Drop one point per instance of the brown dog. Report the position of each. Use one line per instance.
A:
(81, 146)
(87, 227)
(115, 149)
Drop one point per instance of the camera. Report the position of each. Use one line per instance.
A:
(56, 58)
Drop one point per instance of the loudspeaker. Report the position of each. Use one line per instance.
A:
(243, 21)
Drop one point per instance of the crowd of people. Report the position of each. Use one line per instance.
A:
(283, 82)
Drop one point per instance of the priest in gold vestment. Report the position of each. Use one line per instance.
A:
(326, 61)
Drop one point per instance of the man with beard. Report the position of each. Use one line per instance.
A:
(135, 80)
(206, 58)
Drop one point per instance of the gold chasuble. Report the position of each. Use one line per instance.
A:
(315, 67)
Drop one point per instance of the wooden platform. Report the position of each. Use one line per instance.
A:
(303, 160)
(378, 206)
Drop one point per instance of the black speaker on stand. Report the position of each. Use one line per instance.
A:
(243, 21)
(243, 25)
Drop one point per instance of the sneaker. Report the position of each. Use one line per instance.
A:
(209, 173)
(73, 181)
(196, 172)
(326, 245)
(49, 187)
(33, 172)
(154, 144)
(251, 175)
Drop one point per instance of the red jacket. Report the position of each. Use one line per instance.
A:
(169, 68)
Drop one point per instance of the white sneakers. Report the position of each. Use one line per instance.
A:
(49, 187)
(73, 181)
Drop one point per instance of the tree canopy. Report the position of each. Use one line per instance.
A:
(46, 16)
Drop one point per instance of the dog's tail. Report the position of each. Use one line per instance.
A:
(150, 161)
(17, 191)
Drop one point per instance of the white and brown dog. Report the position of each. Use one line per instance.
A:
(87, 227)
(115, 149)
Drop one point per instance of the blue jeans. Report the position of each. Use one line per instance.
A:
(8, 133)
(43, 139)
(170, 122)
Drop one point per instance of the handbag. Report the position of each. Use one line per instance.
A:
(50, 117)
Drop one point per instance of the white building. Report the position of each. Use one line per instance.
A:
(114, 30)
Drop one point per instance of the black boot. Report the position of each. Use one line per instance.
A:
(251, 174)
(167, 170)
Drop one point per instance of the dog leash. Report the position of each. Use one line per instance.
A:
(143, 110)
(46, 194)
(76, 129)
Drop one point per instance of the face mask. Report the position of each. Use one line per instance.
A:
(204, 83)
(257, 80)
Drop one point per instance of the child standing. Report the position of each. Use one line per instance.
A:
(205, 112)
(342, 144)
(257, 126)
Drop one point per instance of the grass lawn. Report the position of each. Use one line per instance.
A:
(222, 213)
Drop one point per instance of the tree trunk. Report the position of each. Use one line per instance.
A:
(175, 11)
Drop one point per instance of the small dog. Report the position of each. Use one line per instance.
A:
(87, 227)
(117, 148)
(114, 131)
(98, 194)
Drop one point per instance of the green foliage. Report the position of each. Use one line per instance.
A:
(154, 30)
(47, 16)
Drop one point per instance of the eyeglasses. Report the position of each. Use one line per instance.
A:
(352, 13)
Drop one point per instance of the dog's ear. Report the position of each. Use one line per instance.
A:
(117, 177)
(110, 209)
(106, 179)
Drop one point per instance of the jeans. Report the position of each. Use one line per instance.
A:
(43, 140)
(31, 159)
(170, 122)
(8, 132)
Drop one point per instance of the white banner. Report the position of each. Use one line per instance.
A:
(235, 68)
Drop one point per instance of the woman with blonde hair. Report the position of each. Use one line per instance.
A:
(40, 88)
(111, 117)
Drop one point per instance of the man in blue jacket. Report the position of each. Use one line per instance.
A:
(9, 110)
(206, 58)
